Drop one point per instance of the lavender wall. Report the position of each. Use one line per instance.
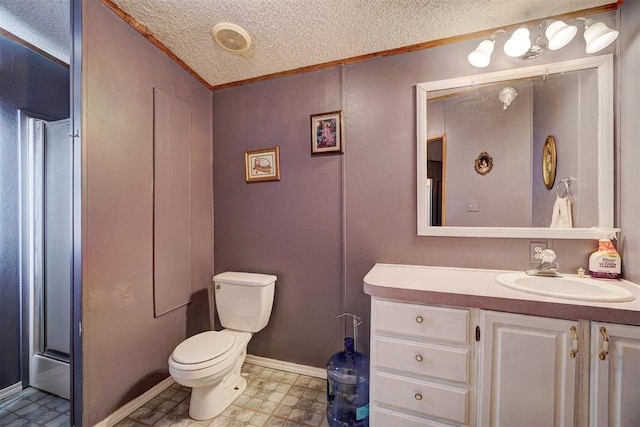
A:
(565, 106)
(125, 349)
(291, 228)
(274, 227)
(477, 122)
(628, 151)
(30, 82)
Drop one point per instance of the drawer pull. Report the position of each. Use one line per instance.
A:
(418, 396)
(419, 358)
(605, 344)
(574, 350)
(419, 319)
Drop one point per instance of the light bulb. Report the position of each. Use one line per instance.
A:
(518, 44)
(481, 57)
(560, 34)
(598, 36)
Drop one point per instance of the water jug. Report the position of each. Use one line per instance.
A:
(348, 387)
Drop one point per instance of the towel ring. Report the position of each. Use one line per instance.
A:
(567, 183)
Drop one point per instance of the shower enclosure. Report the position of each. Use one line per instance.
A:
(46, 252)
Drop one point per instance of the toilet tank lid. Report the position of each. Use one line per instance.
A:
(246, 279)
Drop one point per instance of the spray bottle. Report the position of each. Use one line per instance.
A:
(605, 263)
(348, 383)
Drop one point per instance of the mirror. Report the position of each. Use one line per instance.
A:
(526, 152)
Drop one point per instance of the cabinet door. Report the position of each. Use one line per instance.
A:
(527, 376)
(615, 375)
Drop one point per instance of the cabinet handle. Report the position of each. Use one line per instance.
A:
(418, 396)
(574, 350)
(419, 358)
(605, 344)
(419, 319)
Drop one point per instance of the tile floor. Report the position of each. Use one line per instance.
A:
(32, 407)
(273, 398)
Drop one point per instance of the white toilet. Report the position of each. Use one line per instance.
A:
(210, 362)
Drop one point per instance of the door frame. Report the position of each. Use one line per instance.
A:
(75, 70)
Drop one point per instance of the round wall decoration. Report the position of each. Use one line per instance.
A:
(549, 162)
(484, 163)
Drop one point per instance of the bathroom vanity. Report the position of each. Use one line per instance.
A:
(451, 346)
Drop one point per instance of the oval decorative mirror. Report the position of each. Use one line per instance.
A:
(544, 126)
(549, 162)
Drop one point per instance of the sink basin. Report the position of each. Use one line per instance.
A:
(566, 287)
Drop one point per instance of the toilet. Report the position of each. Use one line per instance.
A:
(210, 362)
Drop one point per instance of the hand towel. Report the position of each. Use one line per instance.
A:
(561, 216)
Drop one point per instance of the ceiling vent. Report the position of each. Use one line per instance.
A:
(231, 37)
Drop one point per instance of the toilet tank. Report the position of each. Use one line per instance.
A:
(244, 300)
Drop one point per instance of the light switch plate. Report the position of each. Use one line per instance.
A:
(473, 206)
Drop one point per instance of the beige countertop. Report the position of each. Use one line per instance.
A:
(466, 287)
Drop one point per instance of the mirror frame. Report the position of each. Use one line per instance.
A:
(604, 66)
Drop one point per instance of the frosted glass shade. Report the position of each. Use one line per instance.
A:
(518, 44)
(598, 35)
(482, 55)
(560, 34)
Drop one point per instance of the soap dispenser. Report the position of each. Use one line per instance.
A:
(605, 263)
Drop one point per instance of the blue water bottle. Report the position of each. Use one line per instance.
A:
(348, 386)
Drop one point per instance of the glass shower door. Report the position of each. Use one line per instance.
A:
(50, 240)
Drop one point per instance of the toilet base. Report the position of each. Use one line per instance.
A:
(208, 402)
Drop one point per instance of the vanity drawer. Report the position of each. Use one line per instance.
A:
(422, 397)
(425, 359)
(447, 324)
(385, 418)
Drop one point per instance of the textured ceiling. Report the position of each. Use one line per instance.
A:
(287, 34)
(43, 23)
(290, 34)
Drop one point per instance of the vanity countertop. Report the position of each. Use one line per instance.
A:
(466, 287)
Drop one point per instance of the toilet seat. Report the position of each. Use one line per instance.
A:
(203, 350)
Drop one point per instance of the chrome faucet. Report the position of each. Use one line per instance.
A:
(547, 267)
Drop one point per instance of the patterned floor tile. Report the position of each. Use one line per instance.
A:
(273, 398)
(32, 407)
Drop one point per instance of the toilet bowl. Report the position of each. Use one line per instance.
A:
(210, 364)
(210, 361)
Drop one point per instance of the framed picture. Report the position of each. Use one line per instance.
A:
(483, 163)
(549, 162)
(326, 133)
(262, 165)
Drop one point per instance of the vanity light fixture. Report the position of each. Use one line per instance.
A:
(551, 35)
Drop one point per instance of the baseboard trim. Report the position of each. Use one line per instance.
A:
(128, 408)
(12, 389)
(287, 366)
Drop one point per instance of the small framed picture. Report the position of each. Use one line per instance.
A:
(549, 162)
(483, 163)
(262, 165)
(326, 133)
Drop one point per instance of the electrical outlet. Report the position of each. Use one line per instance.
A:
(534, 251)
(473, 206)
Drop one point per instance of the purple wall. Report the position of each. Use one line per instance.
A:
(262, 227)
(477, 122)
(125, 349)
(628, 151)
(565, 106)
(291, 228)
